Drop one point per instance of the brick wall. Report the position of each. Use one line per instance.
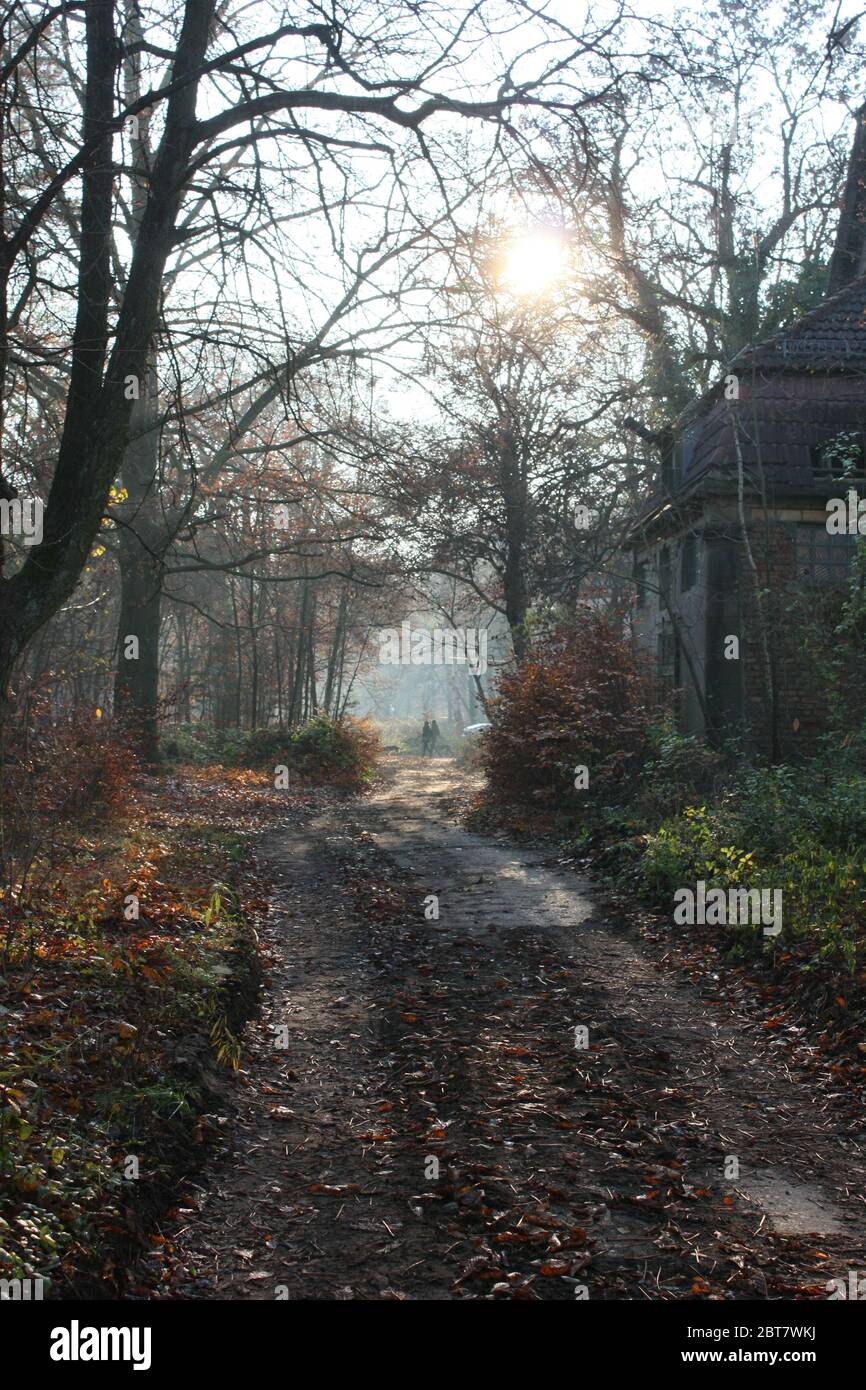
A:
(800, 616)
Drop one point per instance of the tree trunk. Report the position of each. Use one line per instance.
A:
(336, 648)
(136, 685)
(514, 576)
(849, 252)
(299, 683)
(96, 426)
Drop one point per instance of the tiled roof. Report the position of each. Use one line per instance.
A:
(797, 390)
(831, 337)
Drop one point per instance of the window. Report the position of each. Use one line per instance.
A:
(667, 656)
(820, 557)
(688, 563)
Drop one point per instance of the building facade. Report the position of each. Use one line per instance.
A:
(739, 557)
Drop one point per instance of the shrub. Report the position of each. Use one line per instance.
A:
(335, 750)
(780, 828)
(680, 770)
(404, 734)
(469, 754)
(56, 773)
(340, 751)
(581, 699)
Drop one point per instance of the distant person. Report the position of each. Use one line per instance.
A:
(426, 735)
(434, 736)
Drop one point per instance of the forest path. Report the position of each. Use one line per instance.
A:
(687, 1151)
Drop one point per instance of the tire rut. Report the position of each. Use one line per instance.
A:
(431, 1129)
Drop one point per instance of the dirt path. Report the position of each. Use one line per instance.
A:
(431, 1130)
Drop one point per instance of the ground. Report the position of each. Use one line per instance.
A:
(416, 1116)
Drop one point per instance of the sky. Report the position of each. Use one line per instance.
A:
(296, 279)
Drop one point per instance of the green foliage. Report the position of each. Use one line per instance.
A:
(843, 454)
(801, 829)
(832, 633)
(679, 770)
(790, 298)
(665, 810)
(341, 751)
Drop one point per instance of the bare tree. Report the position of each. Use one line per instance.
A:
(326, 93)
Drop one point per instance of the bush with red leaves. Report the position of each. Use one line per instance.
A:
(582, 698)
(56, 773)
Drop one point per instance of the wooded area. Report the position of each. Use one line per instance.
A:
(432, 606)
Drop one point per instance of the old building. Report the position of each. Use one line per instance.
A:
(742, 567)
(733, 556)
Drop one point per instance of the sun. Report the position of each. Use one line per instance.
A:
(532, 261)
